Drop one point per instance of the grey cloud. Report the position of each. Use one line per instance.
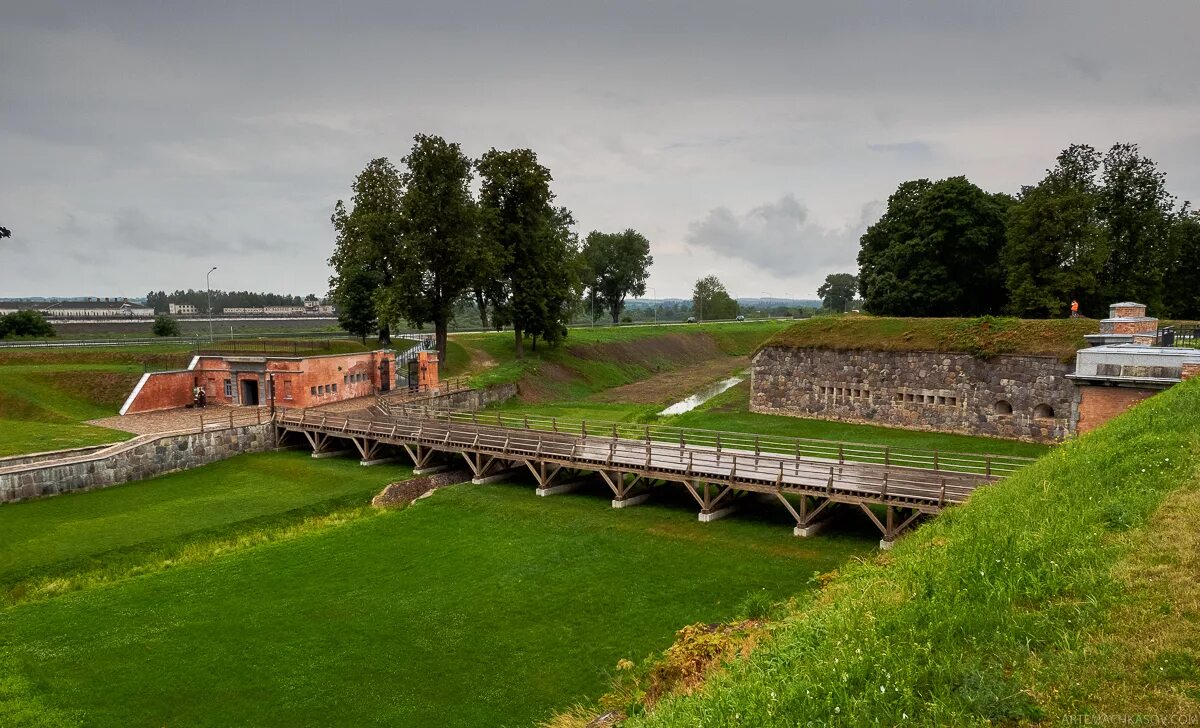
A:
(778, 238)
(913, 149)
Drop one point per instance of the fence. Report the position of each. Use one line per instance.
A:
(235, 417)
(719, 441)
(1185, 336)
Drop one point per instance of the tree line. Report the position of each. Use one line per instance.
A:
(1097, 228)
(159, 300)
(415, 244)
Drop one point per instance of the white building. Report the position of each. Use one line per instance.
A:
(98, 308)
(182, 309)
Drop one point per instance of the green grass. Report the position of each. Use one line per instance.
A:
(591, 360)
(43, 406)
(118, 526)
(974, 618)
(477, 606)
(983, 337)
(729, 412)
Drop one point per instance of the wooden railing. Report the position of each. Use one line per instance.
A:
(987, 465)
(603, 448)
(234, 417)
(422, 393)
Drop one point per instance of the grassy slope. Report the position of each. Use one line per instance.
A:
(595, 359)
(991, 611)
(478, 606)
(983, 337)
(116, 527)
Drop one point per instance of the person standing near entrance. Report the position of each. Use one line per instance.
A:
(1074, 309)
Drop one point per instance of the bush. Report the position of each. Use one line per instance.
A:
(164, 325)
(25, 324)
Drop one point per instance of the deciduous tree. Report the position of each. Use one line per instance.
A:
(537, 282)
(26, 323)
(710, 300)
(838, 291)
(355, 301)
(1137, 212)
(368, 235)
(935, 251)
(1056, 243)
(1181, 290)
(436, 258)
(616, 265)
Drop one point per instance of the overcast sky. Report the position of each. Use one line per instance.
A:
(143, 142)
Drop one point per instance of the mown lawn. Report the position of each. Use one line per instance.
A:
(123, 526)
(44, 406)
(730, 412)
(482, 605)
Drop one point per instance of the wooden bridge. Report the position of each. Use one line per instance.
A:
(892, 486)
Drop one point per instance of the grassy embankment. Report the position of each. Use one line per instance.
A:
(630, 374)
(1067, 590)
(256, 591)
(48, 395)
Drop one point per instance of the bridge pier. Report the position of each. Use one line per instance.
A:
(709, 496)
(625, 488)
(897, 520)
(631, 500)
(421, 456)
(808, 520)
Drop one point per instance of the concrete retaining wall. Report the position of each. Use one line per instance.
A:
(143, 457)
(1022, 397)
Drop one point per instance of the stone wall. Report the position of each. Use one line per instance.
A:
(469, 400)
(1022, 397)
(143, 457)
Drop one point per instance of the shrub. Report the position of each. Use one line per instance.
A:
(166, 326)
(25, 324)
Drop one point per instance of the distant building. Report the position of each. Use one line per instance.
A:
(310, 308)
(98, 308)
(182, 309)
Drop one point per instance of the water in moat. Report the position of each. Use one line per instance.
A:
(699, 398)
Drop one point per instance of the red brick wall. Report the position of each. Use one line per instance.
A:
(1127, 311)
(1190, 370)
(298, 382)
(1135, 327)
(1098, 405)
(163, 390)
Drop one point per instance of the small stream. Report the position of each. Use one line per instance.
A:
(699, 398)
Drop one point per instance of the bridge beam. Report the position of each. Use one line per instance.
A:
(421, 455)
(709, 496)
(897, 520)
(625, 488)
(808, 517)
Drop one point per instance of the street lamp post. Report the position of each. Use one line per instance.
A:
(767, 305)
(208, 285)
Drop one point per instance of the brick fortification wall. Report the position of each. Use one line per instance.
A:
(137, 459)
(1098, 405)
(1022, 397)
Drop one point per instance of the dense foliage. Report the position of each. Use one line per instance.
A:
(711, 302)
(166, 326)
(837, 292)
(1097, 229)
(935, 251)
(616, 265)
(26, 323)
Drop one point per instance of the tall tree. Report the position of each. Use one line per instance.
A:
(711, 302)
(533, 244)
(935, 251)
(1137, 212)
(368, 236)
(837, 292)
(1182, 290)
(355, 301)
(616, 265)
(439, 242)
(1056, 242)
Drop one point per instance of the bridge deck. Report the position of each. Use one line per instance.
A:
(700, 467)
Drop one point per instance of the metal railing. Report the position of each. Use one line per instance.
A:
(1183, 336)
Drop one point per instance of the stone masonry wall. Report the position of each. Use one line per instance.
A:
(143, 457)
(1022, 397)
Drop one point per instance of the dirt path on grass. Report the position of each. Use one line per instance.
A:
(669, 386)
